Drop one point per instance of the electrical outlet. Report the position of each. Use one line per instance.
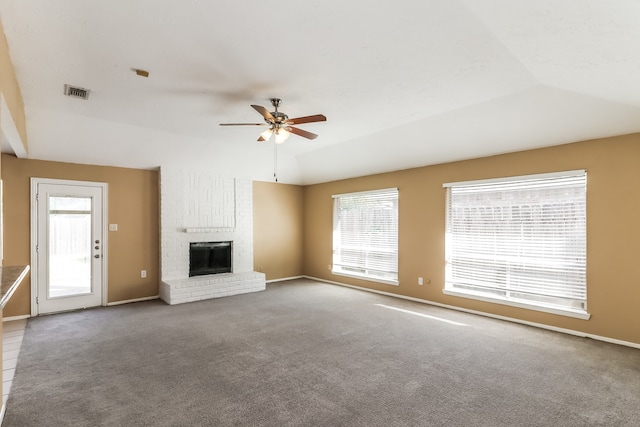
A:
(329, 267)
(420, 281)
(143, 274)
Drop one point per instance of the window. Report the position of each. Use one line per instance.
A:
(365, 235)
(519, 241)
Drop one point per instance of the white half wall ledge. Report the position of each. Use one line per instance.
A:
(9, 136)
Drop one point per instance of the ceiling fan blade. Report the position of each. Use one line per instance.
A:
(301, 132)
(242, 124)
(261, 139)
(306, 119)
(263, 111)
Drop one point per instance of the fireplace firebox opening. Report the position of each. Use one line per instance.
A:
(209, 258)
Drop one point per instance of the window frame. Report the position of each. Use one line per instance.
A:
(450, 286)
(338, 265)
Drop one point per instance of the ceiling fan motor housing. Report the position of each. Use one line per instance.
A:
(280, 117)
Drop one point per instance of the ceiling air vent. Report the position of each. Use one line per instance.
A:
(76, 92)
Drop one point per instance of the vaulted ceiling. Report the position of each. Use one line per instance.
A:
(403, 84)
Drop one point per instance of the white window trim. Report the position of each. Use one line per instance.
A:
(575, 172)
(530, 305)
(380, 190)
(338, 271)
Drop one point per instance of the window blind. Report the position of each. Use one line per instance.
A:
(522, 239)
(365, 237)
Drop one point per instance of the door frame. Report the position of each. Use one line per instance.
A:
(34, 234)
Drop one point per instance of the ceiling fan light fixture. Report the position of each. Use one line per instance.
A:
(281, 136)
(266, 134)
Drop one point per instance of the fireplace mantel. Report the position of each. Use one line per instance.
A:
(208, 229)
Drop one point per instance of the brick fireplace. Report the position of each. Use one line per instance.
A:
(199, 206)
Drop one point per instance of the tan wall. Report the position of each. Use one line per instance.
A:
(133, 205)
(12, 95)
(278, 230)
(10, 89)
(613, 229)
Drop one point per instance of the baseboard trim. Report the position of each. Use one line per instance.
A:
(12, 318)
(128, 301)
(284, 279)
(482, 313)
(2, 411)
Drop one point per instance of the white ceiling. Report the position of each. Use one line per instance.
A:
(403, 83)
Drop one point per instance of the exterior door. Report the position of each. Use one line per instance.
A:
(69, 246)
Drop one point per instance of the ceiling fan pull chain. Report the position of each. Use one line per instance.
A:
(275, 161)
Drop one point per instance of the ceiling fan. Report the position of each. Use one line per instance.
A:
(280, 124)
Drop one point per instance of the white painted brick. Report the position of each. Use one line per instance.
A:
(221, 208)
(204, 287)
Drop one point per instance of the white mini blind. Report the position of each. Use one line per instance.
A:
(365, 234)
(522, 239)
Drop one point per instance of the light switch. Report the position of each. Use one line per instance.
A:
(113, 227)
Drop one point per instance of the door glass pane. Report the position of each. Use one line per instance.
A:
(69, 246)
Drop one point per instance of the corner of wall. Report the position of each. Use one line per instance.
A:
(13, 126)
